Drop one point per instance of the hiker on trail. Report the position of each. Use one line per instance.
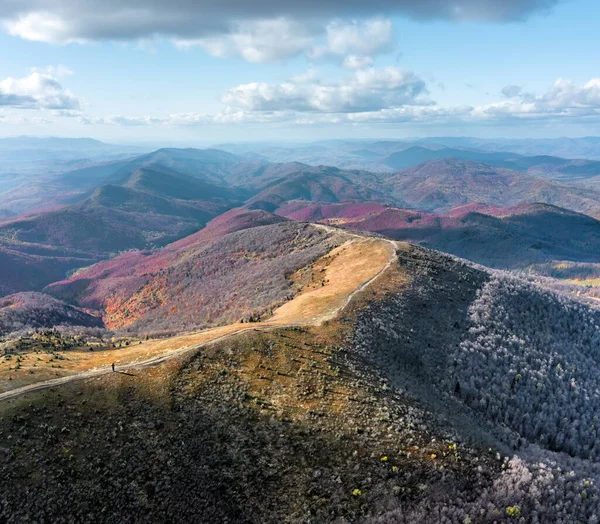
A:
(113, 366)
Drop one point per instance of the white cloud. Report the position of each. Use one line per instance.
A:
(357, 41)
(273, 40)
(227, 116)
(39, 90)
(564, 99)
(367, 90)
(257, 41)
(357, 62)
(14, 118)
(61, 21)
(379, 96)
(40, 26)
(262, 31)
(126, 121)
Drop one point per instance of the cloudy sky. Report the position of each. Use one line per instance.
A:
(198, 70)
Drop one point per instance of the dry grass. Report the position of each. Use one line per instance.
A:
(342, 271)
(324, 291)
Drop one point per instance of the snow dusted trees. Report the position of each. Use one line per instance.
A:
(507, 360)
(531, 360)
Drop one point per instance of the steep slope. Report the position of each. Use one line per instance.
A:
(135, 200)
(216, 277)
(169, 183)
(503, 359)
(446, 183)
(514, 238)
(231, 221)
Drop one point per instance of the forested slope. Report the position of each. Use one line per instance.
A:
(445, 393)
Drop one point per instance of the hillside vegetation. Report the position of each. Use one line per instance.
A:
(187, 335)
(320, 184)
(398, 411)
(503, 361)
(194, 284)
(25, 311)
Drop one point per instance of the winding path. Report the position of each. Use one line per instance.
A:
(297, 312)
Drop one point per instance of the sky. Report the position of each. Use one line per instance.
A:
(199, 71)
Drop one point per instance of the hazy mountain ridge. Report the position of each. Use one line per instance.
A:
(446, 183)
(567, 159)
(545, 166)
(152, 207)
(166, 195)
(320, 184)
(36, 155)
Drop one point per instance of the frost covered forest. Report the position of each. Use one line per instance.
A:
(512, 362)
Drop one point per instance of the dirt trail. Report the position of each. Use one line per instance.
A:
(353, 266)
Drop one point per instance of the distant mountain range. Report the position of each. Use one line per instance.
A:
(537, 158)
(30, 156)
(446, 183)
(151, 207)
(542, 165)
(499, 237)
(584, 147)
(154, 199)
